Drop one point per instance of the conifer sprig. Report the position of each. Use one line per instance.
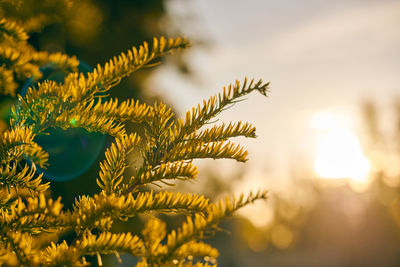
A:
(33, 210)
(222, 132)
(113, 167)
(62, 255)
(129, 110)
(180, 170)
(103, 78)
(196, 249)
(90, 122)
(88, 210)
(202, 114)
(26, 178)
(107, 243)
(24, 62)
(194, 229)
(7, 84)
(214, 150)
(20, 244)
(18, 141)
(10, 29)
(6, 199)
(77, 98)
(170, 146)
(166, 151)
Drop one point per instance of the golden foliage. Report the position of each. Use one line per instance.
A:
(167, 149)
(195, 228)
(10, 29)
(19, 141)
(107, 243)
(23, 178)
(111, 170)
(19, 61)
(34, 15)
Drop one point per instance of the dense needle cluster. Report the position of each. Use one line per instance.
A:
(31, 222)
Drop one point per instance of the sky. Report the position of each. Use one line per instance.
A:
(319, 56)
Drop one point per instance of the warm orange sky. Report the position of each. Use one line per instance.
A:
(318, 55)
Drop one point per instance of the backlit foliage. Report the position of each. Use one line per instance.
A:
(32, 223)
(19, 61)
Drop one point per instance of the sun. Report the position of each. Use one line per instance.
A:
(338, 152)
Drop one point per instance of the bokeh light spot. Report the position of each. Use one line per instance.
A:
(281, 236)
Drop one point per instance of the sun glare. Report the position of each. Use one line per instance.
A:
(338, 152)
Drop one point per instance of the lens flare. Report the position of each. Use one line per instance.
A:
(72, 151)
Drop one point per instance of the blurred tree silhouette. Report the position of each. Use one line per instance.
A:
(383, 148)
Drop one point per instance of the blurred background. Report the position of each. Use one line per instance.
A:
(328, 146)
